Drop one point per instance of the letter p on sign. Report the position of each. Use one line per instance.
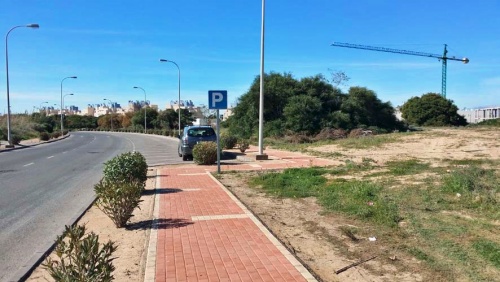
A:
(217, 99)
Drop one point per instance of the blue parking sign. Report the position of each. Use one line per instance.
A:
(217, 99)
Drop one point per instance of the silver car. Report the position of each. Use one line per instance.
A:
(191, 136)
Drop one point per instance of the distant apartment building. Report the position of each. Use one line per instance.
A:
(480, 114)
(471, 115)
(198, 112)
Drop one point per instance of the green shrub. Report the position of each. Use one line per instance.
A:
(44, 136)
(56, 134)
(16, 139)
(79, 258)
(129, 167)
(205, 153)
(244, 145)
(118, 199)
(228, 141)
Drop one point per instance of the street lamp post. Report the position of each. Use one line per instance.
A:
(112, 110)
(62, 126)
(9, 137)
(145, 103)
(41, 106)
(179, 88)
(62, 109)
(261, 154)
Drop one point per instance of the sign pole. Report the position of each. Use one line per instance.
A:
(218, 143)
(217, 99)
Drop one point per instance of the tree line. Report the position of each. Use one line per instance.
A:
(309, 104)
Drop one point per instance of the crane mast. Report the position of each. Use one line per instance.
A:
(444, 58)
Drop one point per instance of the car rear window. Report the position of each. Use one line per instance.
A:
(200, 132)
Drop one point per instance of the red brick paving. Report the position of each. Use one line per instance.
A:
(202, 248)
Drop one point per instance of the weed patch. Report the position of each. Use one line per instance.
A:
(489, 250)
(292, 183)
(367, 142)
(407, 167)
(362, 200)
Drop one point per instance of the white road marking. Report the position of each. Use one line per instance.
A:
(28, 164)
(50, 157)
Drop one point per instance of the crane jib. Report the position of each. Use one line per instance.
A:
(443, 57)
(391, 50)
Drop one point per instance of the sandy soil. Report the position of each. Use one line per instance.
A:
(434, 145)
(132, 241)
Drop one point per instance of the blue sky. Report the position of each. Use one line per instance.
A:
(114, 45)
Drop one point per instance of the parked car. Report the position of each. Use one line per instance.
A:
(192, 135)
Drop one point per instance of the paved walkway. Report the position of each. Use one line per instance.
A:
(205, 234)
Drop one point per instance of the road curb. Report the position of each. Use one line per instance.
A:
(150, 270)
(34, 145)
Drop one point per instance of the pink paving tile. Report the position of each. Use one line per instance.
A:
(184, 204)
(244, 253)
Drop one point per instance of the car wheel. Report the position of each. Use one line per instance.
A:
(184, 157)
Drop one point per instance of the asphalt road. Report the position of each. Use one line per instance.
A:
(45, 187)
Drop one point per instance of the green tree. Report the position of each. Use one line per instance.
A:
(151, 115)
(303, 114)
(431, 109)
(361, 108)
(186, 117)
(167, 119)
(278, 88)
(76, 122)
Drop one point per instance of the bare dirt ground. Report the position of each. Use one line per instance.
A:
(432, 145)
(317, 238)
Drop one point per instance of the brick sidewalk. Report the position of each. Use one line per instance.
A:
(205, 234)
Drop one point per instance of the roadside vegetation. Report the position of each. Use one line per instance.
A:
(46, 127)
(81, 257)
(447, 217)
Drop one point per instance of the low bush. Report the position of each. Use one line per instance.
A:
(56, 134)
(16, 139)
(118, 199)
(330, 134)
(298, 138)
(205, 153)
(228, 141)
(243, 145)
(127, 167)
(44, 136)
(80, 257)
